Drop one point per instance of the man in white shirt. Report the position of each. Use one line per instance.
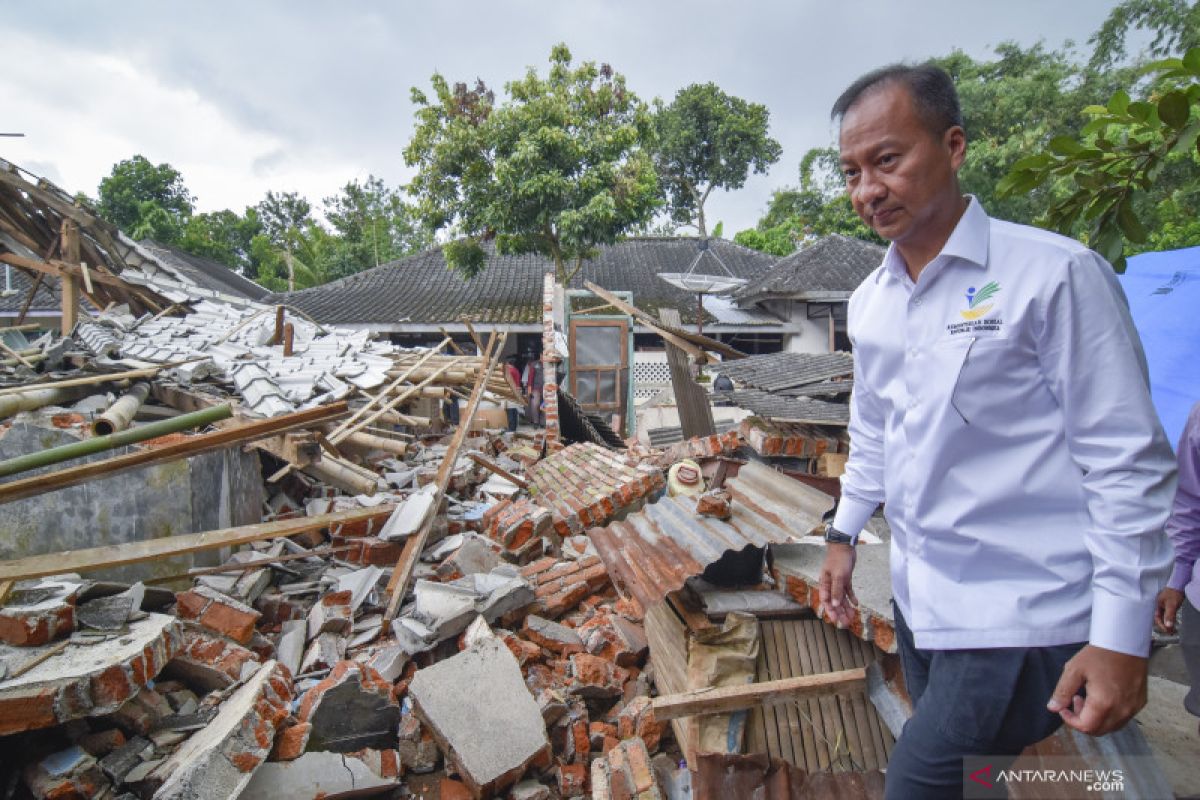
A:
(1001, 412)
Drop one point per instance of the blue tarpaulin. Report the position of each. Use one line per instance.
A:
(1164, 297)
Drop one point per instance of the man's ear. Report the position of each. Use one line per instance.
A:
(955, 142)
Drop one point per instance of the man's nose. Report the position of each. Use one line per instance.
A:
(869, 188)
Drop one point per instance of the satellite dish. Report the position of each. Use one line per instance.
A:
(702, 284)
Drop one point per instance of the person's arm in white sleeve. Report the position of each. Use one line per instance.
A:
(1092, 359)
(862, 480)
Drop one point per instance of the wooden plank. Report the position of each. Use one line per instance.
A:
(787, 721)
(70, 286)
(683, 339)
(94, 558)
(695, 409)
(868, 758)
(848, 735)
(402, 574)
(757, 720)
(249, 565)
(725, 699)
(808, 636)
(15, 355)
(337, 436)
(37, 282)
(499, 470)
(789, 664)
(193, 445)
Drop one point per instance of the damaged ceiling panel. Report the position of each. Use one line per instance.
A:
(654, 551)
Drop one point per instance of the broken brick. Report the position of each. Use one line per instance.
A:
(349, 710)
(217, 612)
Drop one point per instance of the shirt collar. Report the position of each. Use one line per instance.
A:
(968, 242)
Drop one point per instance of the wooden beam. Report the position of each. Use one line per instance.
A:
(37, 282)
(249, 565)
(193, 445)
(399, 380)
(15, 354)
(94, 558)
(70, 284)
(690, 341)
(726, 699)
(402, 574)
(337, 436)
(499, 470)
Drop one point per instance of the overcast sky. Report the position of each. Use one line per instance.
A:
(302, 96)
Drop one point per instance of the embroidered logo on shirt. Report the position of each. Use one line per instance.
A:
(977, 304)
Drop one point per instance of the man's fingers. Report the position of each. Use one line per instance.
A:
(1068, 686)
(837, 590)
(850, 595)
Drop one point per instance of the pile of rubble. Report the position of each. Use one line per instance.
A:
(512, 667)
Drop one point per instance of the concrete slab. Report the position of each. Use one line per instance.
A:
(311, 776)
(218, 762)
(485, 720)
(88, 680)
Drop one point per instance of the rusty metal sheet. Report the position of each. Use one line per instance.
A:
(719, 776)
(654, 551)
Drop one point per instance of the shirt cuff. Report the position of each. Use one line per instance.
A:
(1121, 624)
(853, 514)
(1181, 576)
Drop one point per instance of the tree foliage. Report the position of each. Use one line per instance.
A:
(145, 200)
(373, 225)
(1132, 158)
(705, 140)
(558, 168)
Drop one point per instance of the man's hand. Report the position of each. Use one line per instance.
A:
(837, 596)
(1167, 609)
(1116, 690)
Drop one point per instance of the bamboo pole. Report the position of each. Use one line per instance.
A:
(369, 441)
(402, 574)
(388, 406)
(91, 380)
(120, 414)
(354, 418)
(34, 398)
(98, 444)
(193, 445)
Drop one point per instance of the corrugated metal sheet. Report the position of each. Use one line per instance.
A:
(654, 551)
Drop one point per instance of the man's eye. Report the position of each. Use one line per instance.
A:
(850, 174)
(889, 158)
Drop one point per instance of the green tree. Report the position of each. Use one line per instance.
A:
(373, 225)
(1173, 24)
(286, 219)
(146, 200)
(1134, 161)
(558, 168)
(706, 140)
(224, 236)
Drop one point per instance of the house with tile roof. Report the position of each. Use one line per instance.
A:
(811, 288)
(415, 298)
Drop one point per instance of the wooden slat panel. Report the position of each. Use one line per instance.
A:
(793, 648)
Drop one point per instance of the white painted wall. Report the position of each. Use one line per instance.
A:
(811, 335)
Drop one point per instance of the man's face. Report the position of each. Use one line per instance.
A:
(900, 175)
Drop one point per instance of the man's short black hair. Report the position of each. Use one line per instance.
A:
(931, 88)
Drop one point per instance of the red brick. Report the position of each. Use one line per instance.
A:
(572, 779)
(450, 789)
(29, 709)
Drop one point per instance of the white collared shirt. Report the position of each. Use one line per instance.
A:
(1001, 410)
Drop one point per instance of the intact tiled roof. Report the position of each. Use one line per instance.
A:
(833, 263)
(46, 299)
(420, 289)
(773, 372)
(205, 272)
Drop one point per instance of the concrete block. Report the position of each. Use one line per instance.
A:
(558, 639)
(325, 651)
(419, 751)
(88, 680)
(483, 717)
(351, 709)
(313, 776)
(219, 761)
(289, 647)
(331, 614)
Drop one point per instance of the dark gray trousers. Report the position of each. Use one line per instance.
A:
(969, 702)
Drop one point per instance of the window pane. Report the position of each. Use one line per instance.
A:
(608, 387)
(585, 387)
(597, 345)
